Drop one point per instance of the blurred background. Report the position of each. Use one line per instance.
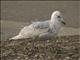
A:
(16, 14)
(27, 11)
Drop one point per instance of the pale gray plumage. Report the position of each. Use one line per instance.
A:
(40, 25)
(44, 29)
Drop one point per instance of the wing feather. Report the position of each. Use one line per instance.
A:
(40, 25)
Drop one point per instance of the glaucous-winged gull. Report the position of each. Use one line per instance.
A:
(42, 29)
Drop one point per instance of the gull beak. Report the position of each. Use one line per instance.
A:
(63, 22)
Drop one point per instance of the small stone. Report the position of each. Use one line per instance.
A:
(15, 59)
(36, 55)
(26, 58)
(67, 58)
(47, 41)
(49, 57)
(18, 57)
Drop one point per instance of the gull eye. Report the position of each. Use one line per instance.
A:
(58, 16)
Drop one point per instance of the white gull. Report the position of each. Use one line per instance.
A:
(42, 29)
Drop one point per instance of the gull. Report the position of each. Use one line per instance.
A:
(42, 29)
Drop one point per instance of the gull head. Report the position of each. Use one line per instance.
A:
(57, 16)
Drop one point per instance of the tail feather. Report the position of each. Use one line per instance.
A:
(16, 37)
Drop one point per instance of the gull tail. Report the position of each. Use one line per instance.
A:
(16, 37)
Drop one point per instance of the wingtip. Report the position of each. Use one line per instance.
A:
(15, 37)
(10, 39)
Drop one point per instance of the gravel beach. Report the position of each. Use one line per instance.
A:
(17, 14)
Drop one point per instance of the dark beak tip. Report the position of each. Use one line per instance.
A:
(63, 22)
